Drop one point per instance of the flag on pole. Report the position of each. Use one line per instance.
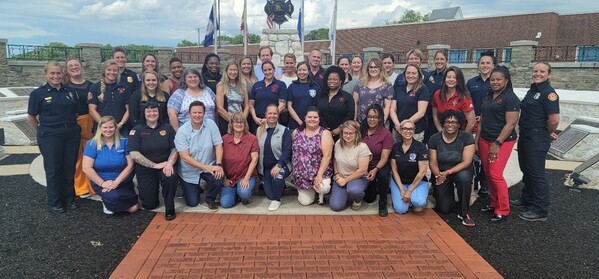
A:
(269, 22)
(209, 38)
(333, 32)
(299, 26)
(243, 28)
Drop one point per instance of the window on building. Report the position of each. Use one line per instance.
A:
(507, 55)
(587, 53)
(478, 52)
(457, 56)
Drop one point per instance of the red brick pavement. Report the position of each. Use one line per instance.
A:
(415, 245)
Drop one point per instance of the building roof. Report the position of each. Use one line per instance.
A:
(447, 14)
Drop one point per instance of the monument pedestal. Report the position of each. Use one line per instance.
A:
(17, 131)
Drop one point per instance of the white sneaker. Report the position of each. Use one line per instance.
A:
(274, 205)
(356, 205)
(106, 211)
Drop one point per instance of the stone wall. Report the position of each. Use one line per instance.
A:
(282, 41)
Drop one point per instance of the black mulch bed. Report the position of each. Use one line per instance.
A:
(565, 246)
(18, 159)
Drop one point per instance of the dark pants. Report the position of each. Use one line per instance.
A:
(274, 186)
(192, 191)
(479, 175)
(532, 150)
(444, 193)
(59, 148)
(380, 186)
(148, 184)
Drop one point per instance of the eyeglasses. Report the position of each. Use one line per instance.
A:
(451, 122)
(407, 129)
(238, 123)
(349, 133)
(373, 67)
(373, 117)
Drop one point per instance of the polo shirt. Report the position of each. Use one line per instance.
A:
(379, 140)
(54, 106)
(264, 95)
(450, 154)
(337, 111)
(407, 162)
(407, 104)
(301, 96)
(154, 143)
(434, 81)
(454, 103)
(108, 162)
(237, 156)
(130, 80)
(478, 89)
(540, 101)
(200, 144)
(494, 111)
(116, 98)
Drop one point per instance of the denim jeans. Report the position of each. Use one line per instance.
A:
(229, 194)
(192, 191)
(273, 186)
(418, 197)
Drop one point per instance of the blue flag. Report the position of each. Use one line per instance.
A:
(299, 26)
(209, 38)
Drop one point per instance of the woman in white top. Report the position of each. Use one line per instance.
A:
(192, 89)
(289, 67)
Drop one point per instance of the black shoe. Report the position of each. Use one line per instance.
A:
(246, 201)
(497, 218)
(383, 212)
(466, 220)
(72, 206)
(212, 207)
(532, 216)
(518, 203)
(483, 193)
(58, 209)
(487, 209)
(170, 215)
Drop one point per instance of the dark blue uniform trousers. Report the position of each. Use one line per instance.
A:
(532, 151)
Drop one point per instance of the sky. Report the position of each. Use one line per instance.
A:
(168, 22)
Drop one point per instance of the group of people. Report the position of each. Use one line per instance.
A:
(349, 133)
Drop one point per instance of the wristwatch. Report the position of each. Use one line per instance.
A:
(218, 164)
(498, 143)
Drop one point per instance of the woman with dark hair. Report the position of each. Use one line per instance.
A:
(453, 96)
(151, 90)
(152, 147)
(450, 155)
(231, 96)
(373, 88)
(496, 138)
(410, 102)
(149, 62)
(539, 119)
(380, 142)
(192, 89)
(267, 91)
(74, 82)
(172, 83)
(349, 84)
(335, 105)
(301, 95)
(312, 153)
(388, 64)
(211, 71)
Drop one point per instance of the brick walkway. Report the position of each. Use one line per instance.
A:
(296, 246)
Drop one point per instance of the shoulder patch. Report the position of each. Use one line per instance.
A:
(89, 96)
(132, 133)
(552, 96)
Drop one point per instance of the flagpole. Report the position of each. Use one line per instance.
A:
(214, 21)
(333, 33)
(245, 28)
(303, 12)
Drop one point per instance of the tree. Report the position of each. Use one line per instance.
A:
(186, 43)
(318, 34)
(408, 17)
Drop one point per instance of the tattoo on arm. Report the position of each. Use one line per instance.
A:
(142, 160)
(172, 158)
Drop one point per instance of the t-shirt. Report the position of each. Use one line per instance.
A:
(407, 162)
(369, 96)
(379, 140)
(180, 101)
(301, 96)
(462, 105)
(347, 157)
(449, 154)
(494, 111)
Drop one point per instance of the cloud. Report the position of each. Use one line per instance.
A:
(22, 31)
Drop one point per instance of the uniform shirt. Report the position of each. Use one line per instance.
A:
(337, 111)
(116, 97)
(200, 144)
(478, 89)
(317, 78)
(260, 74)
(80, 91)
(54, 106)
(154, 143)
(494, 114)
(400, 80)
(453, 103)
(211, 80)
(347, 157)
(407, 162)
(450, 154)
(237, 156)
(130, 80)
(407, 104)
(108, 162)
(434, 81)
(137, 107)
(379, 140)
(301, 96)
(264, 95)
(540, 101)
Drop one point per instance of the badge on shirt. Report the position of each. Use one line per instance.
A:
(454, 103)
(431, 79)
(89, 96)
(536, 96)
(122, 90)
(274, 88)
(48, 99)
(552, 96)
(341, 100)
(129, 79)
(132, 133)
(412, 157)
(162, 133)
(312, 93)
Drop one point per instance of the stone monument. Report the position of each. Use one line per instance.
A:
(281, 41)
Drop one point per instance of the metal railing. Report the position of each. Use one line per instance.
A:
(134, 55)
(41, 53)
(555, 53)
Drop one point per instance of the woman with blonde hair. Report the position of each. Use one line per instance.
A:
(151, 90)
(374, 88)
(289, 75)
(231, 96)
(247, 74)
(356, 67)
(410, 102)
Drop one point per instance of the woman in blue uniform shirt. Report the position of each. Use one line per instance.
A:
(52, 111)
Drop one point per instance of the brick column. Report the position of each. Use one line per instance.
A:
(371, 52)
(91, 56)
(432, 49)
(3, 63)
(523, 54)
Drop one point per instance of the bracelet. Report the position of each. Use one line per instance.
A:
(377, 168)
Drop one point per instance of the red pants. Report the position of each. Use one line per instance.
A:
(498, 194)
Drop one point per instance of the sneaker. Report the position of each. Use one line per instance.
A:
(497, 218)
(106, 211)
(212, 207)
(383, 212)
(85, 196)
(274, 205)
(487, 209)
(246, 201)
(532, 216)
(466, 220)
(356, 205)
(518, 203)
(417, 208)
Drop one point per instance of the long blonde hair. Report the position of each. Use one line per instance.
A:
(365, 79)
(144, 89)
(224, 81)
(105, 66)
(99, 140)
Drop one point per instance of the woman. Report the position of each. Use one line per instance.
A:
(479, 85)
(349, 84)
(373, 88)
(415, 57)
(450, 155)
(108, 97)
(240, 156)
(350, 167)
(199, 144)
(275, 156)
(192, 89)
(267, 91)
(453, 96)
(231, 96)
(312, 152)
(150, 91)
(410, 102)
(335, 105)
(356, 67)
(496, 139)
(538, 121)
(248, 77)
(149, 62)
(172, 83)
(301, 95)
(52, 112)
(288, 75)
(74, 82)
(435, 80)
(409, 162)
(152, 147)
(380, 142)
(109, 167)
(211, 71)
(388, 64)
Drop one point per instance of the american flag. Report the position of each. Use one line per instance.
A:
(269, 21)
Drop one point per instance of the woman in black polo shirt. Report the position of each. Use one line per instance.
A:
(410, 102)
(496, 138)
(335, 105)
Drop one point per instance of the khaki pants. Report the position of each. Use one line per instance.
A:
(307, 197)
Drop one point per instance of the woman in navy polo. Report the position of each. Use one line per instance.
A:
(410, 102)
(267, 91)
(301, 95)
(151, 90)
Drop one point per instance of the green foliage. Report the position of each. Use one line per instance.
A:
(51, 51)
(237, 40)
(186, 43)
(408, 17)
(135, 53)
(318, 34)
